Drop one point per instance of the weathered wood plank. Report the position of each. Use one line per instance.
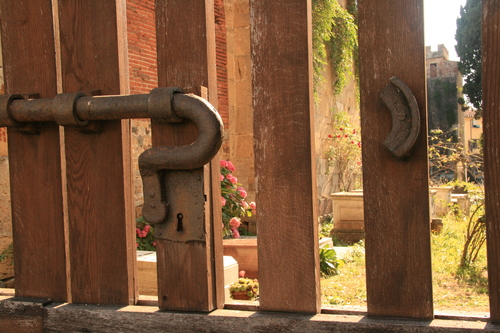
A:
(101, 221)
(190, 275)
(396, 193)
(284, 166)
(35, 163)
(491, 121)
(22, 314)
(79, 318)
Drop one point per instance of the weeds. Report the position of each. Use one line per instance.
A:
(455, 287)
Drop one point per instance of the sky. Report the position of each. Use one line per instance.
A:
(441, 23)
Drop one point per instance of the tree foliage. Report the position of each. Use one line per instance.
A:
(468, 36)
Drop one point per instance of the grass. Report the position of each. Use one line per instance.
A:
(454, 288)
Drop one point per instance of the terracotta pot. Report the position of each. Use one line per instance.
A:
(240, 295)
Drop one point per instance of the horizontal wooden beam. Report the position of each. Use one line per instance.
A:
(95, 318)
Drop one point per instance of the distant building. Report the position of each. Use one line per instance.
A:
(473, 129)
(444, 87)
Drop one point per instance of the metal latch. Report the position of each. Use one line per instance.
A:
(172, 176)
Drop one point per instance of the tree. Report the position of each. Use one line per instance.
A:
(468, 37)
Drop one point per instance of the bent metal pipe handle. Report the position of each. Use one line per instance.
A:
(186, 157)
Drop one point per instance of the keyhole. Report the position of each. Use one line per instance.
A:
(179, 222)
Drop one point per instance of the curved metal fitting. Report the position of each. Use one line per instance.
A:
(160, 104)
(6, 118)
(187, 157)
(64, 109)
(405, 118)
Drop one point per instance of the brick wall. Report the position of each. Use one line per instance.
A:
(141, 46)
(221, 58)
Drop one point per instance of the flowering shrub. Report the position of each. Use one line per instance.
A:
(144, 239)
(344, 151)
(234, 206)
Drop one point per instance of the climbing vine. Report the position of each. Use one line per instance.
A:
(335, 39)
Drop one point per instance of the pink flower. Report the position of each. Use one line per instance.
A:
(242, 193)
(223, 164)
(143, 234)
(235, 232)
(146, 228)
(222, 201)
(221, 177)
(230, 166)
(232, 178)
(136, 244)
(244, 204)
(253, 207)
(242, 274)
(235, 222)
(154, 244)
(137, 231)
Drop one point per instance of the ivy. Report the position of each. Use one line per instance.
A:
(335, 39)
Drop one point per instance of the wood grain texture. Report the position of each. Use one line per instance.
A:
(101, 221)
(491, 122)
(284, 166)
(396, 193)
(190, 275)
(35, 163)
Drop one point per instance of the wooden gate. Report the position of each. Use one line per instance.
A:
(67, 186)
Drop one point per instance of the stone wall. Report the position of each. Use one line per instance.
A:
(239, 69)
(328, 102)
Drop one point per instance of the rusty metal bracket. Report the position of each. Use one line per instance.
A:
(400, 100)
(64, 110)
(173, 186)
(6, 118)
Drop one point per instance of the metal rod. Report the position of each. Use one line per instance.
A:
(87, 108)
(157, 105)
(112, 107)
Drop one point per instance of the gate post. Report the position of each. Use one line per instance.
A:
(491, 121)
(284, 149)
(396, 192)
(34, 160)
(100, 204)
(190, 275)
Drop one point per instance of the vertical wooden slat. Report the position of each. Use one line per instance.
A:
(99, 184)
(35, 163)
(190, 275)
(396, 193)
(284, 148)
(491, 121)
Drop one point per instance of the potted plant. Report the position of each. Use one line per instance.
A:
(244, 289)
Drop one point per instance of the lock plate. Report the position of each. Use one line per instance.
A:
(185, 216)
